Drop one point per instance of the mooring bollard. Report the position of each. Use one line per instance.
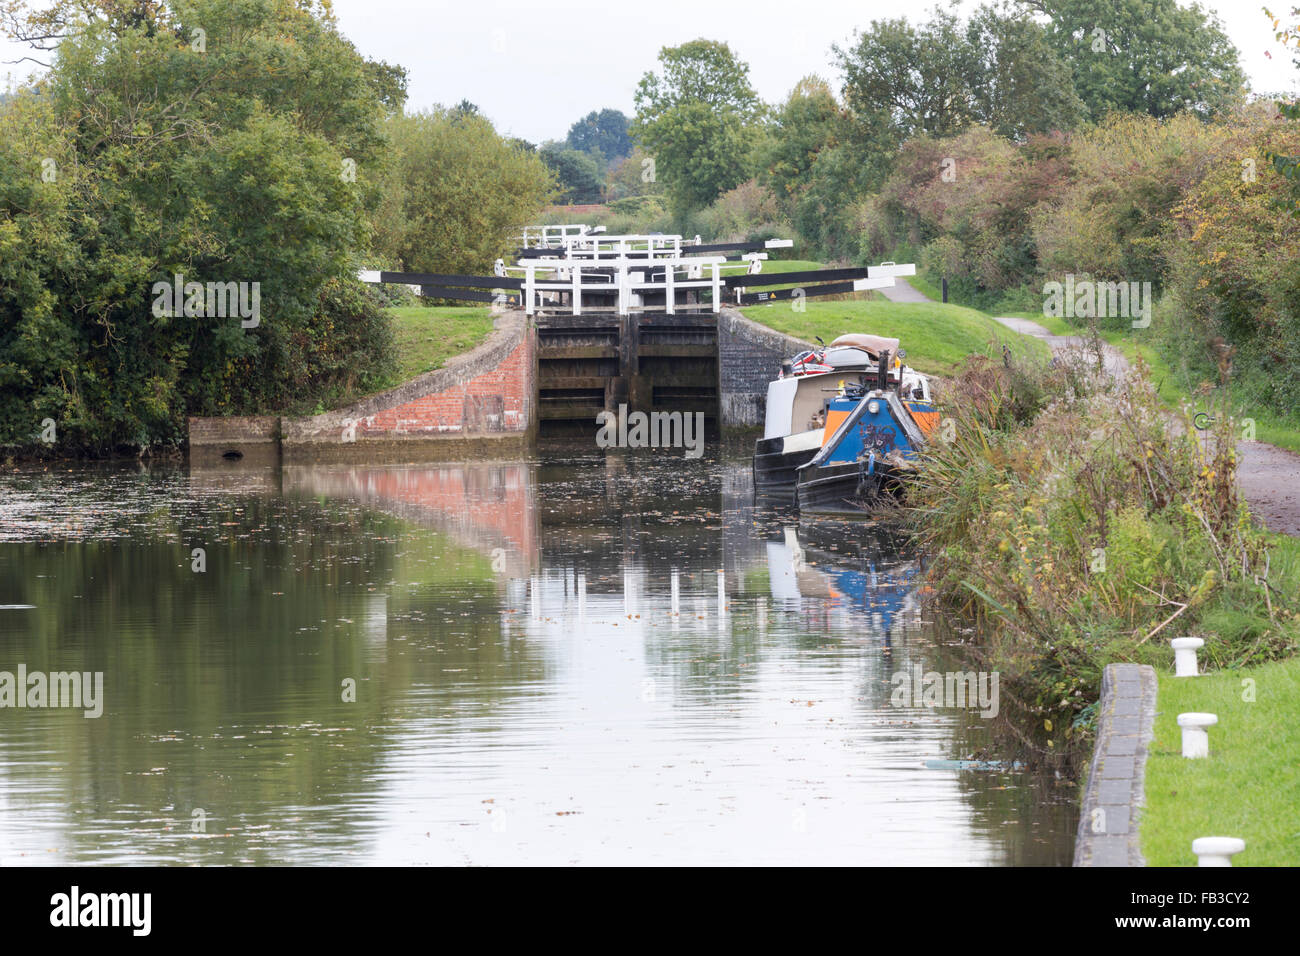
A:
(1185, 655)
(1216, 851)
(1196, 741)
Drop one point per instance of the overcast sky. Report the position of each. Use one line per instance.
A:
(535, 66)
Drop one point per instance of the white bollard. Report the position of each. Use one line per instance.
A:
(1216, 851)
(1196, 741)
(1185, 655)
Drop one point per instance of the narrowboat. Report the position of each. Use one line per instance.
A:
(870, 439)
(795, 419)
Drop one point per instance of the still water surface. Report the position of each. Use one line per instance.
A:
(548, 668)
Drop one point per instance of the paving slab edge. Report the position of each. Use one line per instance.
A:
(1114, 794)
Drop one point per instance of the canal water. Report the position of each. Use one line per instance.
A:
(579, 660)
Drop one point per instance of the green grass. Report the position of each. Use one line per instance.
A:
(936, 337)
(428, 337)
(926, 288)
(1249, 786)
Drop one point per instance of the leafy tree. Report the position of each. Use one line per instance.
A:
(579, 174)
(818, 159)
(632, 176)
(1020, 85)
(941, 77)
(219, 156)
(697, 117)
(455, 193)
(1144, 56)
(604, 134)
(921, 79)
(809, 122)
(1234, 270)
(1285, 163)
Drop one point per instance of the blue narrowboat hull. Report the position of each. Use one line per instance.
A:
(874, 442)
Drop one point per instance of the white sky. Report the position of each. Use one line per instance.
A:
(535, 66)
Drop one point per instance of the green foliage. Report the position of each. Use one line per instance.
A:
(632, 176)
(1145, 56)
(579, 174)
(1072, 518)
(697, 118)
(965, 202)
(941, 77)
(220, 161)
(455, 193)
(1129, 173)
(603, 135)
(1233, 257)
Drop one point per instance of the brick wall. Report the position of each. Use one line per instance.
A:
(497, 400)
(480, 405)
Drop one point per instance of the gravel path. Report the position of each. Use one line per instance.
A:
(903, 291)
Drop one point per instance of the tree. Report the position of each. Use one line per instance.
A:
(1144, 56)
(604, 135)
(697, 118)
(455, 194)
(940, 78)
(579, 174)
(1286, 164)
(920, 80)
(1021, 85)
(809, 122)
(633, 175)
(222, 156)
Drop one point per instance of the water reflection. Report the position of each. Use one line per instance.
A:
(581, 660)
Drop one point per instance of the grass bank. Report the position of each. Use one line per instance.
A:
(425, 337)
(1249, 786)
(428, 336)
(937, 337)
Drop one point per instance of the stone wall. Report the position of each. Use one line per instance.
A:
(749, 356)
(254, 438)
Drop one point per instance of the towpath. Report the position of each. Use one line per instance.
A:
(1269, 477)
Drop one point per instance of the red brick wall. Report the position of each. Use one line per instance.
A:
(495, 401)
